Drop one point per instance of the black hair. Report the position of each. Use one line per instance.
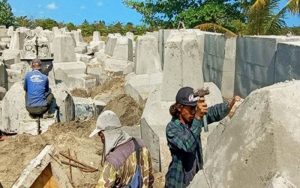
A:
(174, 110)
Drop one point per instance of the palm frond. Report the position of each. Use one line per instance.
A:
(215, 28)
(294, 6)
(258, 4)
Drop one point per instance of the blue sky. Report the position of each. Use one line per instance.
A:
(77, 11)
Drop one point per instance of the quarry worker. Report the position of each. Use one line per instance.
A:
(183, 135)
(125, 159)
(38, 94)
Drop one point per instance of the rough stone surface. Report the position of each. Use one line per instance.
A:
(64, 49)
(69, 68)
(2, 93)
(259, 142)
(147, 57)
(140, 86)
(3, 75)
(219, 62)
(97, 71)
(181, 66)
(119, 48)
(255, 62)
(84, 108)
(287, 65)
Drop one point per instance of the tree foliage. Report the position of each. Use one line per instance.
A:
(161, 13)
(217, 12)
(6, 15)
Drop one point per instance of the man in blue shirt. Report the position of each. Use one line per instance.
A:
(38, 94)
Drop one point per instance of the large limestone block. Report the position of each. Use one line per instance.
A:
(3, 75)
(147, 58)
(260, 142)
(84, 108)
(120, 47)
(97, 71)
(181, 66)
(11, 56)
(17, 39)
(287, 65)
(2, 93)
(140, 86)
(83, 81)
(118, 66)
(219, 61)
(255, 62)
(64, 49)
(69, 68)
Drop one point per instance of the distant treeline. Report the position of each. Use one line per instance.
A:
(86, 27)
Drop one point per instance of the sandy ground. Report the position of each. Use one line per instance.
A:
(17, 151)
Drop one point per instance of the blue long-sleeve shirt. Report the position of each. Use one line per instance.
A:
(36, 86)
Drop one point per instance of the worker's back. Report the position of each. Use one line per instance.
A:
(36, 86)
(121, 163)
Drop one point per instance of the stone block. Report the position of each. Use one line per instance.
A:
(147, 57)
(2, 93)
(255, 62)
(287, 61)
(116, 66)
(99, 106)
(3, 75)
(30, 126)
(17, 39)
(84, 108)
(119, 48)
(97, 71)
(181, 67)
(261, 136)
(83, 81)
(219, 62)
(140, 86)
(14, 76)
(83, 58)
(80, 49)
(63, 49)
(69, 68)
(11, 56)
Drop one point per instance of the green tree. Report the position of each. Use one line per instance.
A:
(161, 13)
(23, 21)
(45, 23)
(6, 16)
(218, 12)
(71, 26)
(86, 28)
(116, 28)
(101, 27)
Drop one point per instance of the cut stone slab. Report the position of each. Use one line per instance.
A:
(2, 93)
(68, 68)
(84, 108)
(287, 61)
(117, 66)
(83, 81)
(97, 71)
(14, 76)
(119, 47)
(219, 61)
(63, 49)
(261, 140)
(147, 57)
(140, 86)
(3, 75)
(11, 56)
(43, 166)
(255, 62)
(181, 64)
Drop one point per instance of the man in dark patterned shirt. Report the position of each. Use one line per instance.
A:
(183, 135)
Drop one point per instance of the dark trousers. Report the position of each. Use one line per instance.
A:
(40, 110)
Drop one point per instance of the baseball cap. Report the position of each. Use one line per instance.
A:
(185, 96)
(107, 120)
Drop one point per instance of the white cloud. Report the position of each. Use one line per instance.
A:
(52, 6)
(82, 7)
(99, 3)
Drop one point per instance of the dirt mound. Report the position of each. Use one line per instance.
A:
(127, 109)
(16, 152)
(107, 91)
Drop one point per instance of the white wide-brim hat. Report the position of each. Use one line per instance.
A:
(107, 120)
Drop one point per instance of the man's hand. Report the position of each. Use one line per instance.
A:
(235, 102)
(201, 108)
